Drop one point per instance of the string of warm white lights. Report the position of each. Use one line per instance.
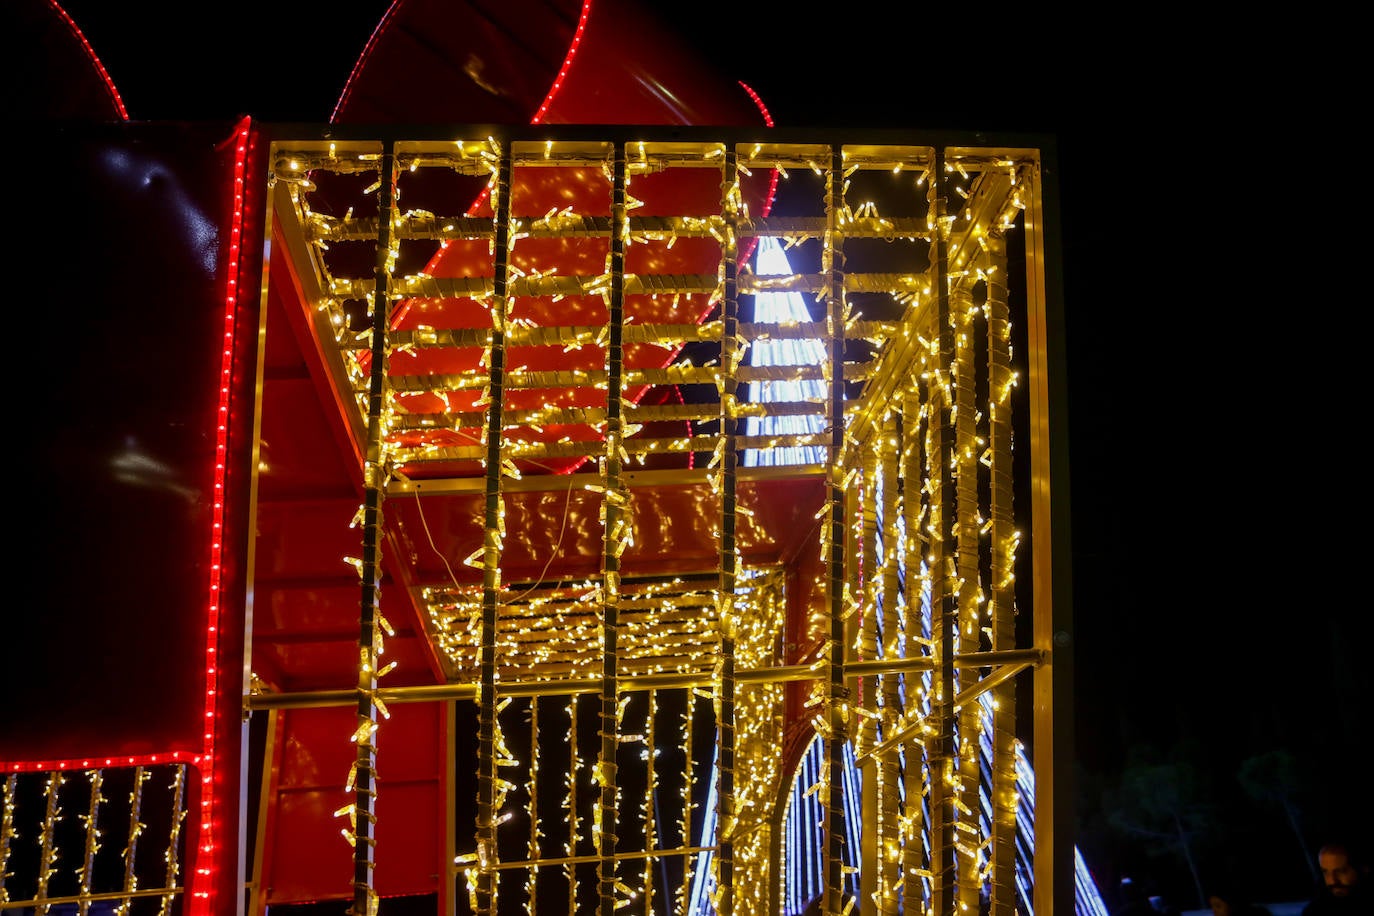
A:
(91, 821)
(890, 407)
(38, 798)
(7, 833)
(910, 419)
(136, 828)
(47, 843)
(170, 856)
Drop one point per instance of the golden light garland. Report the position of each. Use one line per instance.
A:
(917, 438)
(37, 796)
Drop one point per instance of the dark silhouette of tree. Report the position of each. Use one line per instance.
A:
(1278, 778)
(1162, 805)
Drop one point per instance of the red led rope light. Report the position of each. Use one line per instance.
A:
(95, 60)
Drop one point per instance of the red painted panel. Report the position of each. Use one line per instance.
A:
(305, 856)
(119, 488)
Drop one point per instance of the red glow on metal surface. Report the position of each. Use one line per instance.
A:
(95, 60)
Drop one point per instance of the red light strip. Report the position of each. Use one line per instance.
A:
(95, 61)
(567, 63)
(362, 58)
(86, 763)
(199, 893)
(763, 109)
(768, 121)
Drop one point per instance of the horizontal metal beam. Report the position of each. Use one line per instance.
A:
(1014, 659)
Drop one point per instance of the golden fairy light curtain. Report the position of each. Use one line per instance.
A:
(600, 699)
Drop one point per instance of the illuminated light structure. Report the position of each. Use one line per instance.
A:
(804, 861)
(497, 608)
(536, 656)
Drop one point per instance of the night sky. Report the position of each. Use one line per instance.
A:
(1218, 471)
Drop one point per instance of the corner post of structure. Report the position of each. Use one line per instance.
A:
(1052, 682)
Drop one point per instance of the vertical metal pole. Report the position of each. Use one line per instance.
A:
(491, 553)
(915, 770)
(257, 901)
(364, 777)
(688, 726)
(729, 357)
(887, 769)
(574, 822)
(616, 518)
(448, 870)
(1052, 583)
(87, 870)
(1003, 593)
(837, 693)
(532, 789)
(967, 582)
(650, 808)
(865, 728)
(136, 827)
(944, 596)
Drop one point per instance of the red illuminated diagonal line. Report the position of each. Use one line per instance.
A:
(95, 60)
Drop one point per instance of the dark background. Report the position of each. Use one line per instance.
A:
(1214, 297)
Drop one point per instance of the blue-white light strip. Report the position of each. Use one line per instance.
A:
(779, 308)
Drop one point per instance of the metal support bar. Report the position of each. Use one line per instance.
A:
(837, 692)
(614, 539)
(487, 723)
(944, 595)
(374, 470)
(730, 355)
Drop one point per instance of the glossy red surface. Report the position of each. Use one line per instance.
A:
(119, 499)
(304, 855)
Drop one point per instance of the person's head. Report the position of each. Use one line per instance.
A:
(1341, 868)
(1225, 903)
